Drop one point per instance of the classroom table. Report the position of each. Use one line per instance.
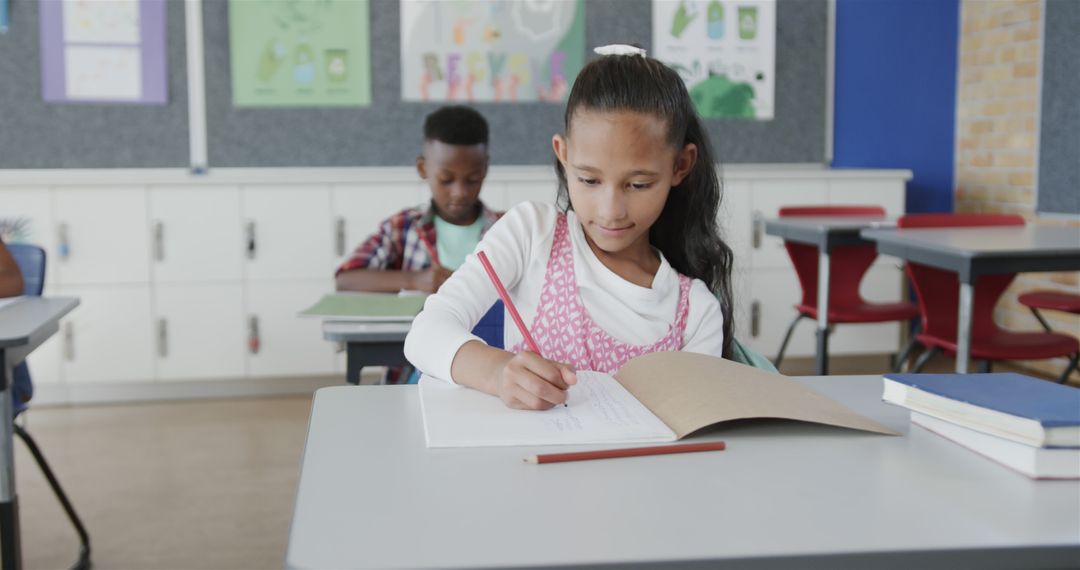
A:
(975, 251)
(24, 325)
(368, 344)
(783, 494)
(824, 233)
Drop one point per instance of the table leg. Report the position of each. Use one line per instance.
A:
(361, 354)
(353, 364)
(10, 549)
(963, 327)
(823, 314)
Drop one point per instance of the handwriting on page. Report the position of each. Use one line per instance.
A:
(598, 400)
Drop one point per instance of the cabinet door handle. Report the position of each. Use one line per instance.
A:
(755, 319)
(251, 245)
(339, 236)
(159, 241)
(253, 334)
(62, 242)
(757, 224)
(69, 341)
(163, 338)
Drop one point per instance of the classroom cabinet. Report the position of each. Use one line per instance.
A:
(358, 209)
(287, 234)
(200, 278)
(26, 215)
(768, 196)
(101, 236)
(108, 338)
(196, 234)
(199, 331)
(280, 343)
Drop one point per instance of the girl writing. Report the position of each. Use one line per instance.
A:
(629, 262)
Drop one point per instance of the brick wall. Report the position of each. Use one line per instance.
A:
(997, 134)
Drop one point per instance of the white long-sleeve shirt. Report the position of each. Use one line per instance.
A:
(518, 247)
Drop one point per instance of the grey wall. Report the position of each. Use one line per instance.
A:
(35, 135)
(38, 135)
(1059, 138)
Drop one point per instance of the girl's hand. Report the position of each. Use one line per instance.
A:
(531, 382)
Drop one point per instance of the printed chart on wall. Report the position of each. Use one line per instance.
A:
(725, 50)
(491, 51)
(300, 53)
(103, 52)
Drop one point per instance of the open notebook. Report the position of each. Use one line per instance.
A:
(658, 397)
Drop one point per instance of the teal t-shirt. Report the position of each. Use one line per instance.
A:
(453, 243)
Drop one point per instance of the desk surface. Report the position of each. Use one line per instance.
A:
(25, 319)
(1007, 241)
(825, 231)
(372, 495)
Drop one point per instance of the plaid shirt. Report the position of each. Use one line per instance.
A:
(405, 241)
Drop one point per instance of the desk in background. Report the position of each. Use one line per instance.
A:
(24, 325)
(974, 251)
(824, 233)
(368, 344)
(784, 494)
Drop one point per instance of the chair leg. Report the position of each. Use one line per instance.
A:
(83, 563)
(1042, 321)
(986, 366)
(924, 358)
(1074, 360)
(787, 338)
(904, 354)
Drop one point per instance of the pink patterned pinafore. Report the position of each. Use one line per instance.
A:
(565, 332)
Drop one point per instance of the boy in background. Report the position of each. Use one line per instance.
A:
(417, 248)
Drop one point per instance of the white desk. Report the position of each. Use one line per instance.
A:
(784, 494)
(975, 251)
(24, 325)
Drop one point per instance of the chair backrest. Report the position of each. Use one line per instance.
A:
(847, 263)
(490, 327)
(31, 261)
(938, 291)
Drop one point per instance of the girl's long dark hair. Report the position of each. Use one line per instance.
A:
(686, 232)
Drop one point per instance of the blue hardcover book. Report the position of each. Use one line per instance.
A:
(1013, 406)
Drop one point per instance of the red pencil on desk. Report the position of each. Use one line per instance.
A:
(627, 452)
(510, 308)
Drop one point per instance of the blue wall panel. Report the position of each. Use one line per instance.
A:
(896, 66)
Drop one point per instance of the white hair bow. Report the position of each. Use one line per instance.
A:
(619, 49)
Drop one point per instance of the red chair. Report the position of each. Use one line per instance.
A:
(847, 266)
(938, 292)
(1052, 301)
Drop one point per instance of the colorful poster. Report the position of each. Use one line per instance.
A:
(491, 51)
(3, 16)
(103, 51)
(300, 53)
(725, 50)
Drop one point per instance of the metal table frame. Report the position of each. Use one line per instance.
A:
(24, 326)
(368, 344)
(974, 251)
(825, 233)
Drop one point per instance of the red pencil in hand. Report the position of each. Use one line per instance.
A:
(510, 308)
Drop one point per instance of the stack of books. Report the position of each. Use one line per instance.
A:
(1027, 424)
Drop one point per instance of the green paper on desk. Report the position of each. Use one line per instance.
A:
(370, 307)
